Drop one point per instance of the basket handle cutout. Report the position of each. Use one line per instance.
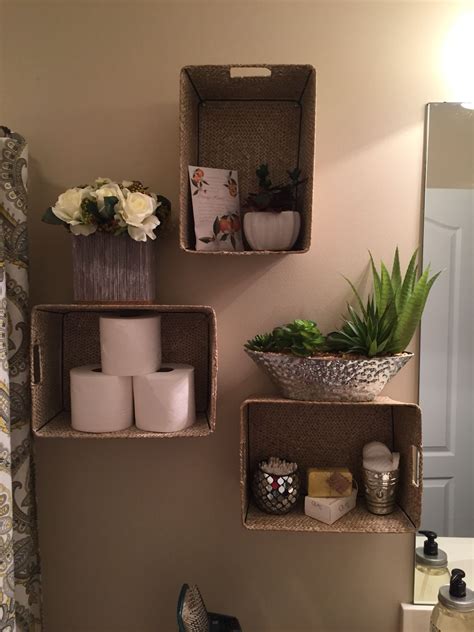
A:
(36, 364)
(237, 72)
(415, 466)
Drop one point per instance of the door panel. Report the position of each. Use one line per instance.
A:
(446, 364)
(437, 503)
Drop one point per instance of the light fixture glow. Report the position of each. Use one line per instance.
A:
(457, 60)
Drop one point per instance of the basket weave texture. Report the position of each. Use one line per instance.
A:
(240, 122)
(66, 336)
(329, 434)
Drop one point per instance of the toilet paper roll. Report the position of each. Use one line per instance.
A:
(164, 400)
(130, 345)
(100, 402)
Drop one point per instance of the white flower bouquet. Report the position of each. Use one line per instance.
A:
(110, 207)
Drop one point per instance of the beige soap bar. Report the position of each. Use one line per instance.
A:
(329, 510)
(329, 482)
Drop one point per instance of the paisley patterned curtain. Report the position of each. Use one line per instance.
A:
(19, 561)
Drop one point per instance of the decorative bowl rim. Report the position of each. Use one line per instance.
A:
(333, 358)
(272, 212)
(295, 471)
(368, 469)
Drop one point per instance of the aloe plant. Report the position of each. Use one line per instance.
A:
(388, 320)
(301, 338)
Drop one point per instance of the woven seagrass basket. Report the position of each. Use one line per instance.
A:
(329, 434)
(239, 122)
(66, 336)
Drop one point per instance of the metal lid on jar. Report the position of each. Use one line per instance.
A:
(440, 559)
(457, 596)
(430, 554)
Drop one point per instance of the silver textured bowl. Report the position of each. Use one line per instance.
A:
(329, 379)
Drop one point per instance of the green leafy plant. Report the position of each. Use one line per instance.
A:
(301, 338)
(388, 320)
(261, 342)
(271, 197)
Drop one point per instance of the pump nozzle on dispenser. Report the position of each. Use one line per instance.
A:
(457, 587)
(430, 546)
(455, 608)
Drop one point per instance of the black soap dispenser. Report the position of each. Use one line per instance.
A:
(454, 611)
(431, 570)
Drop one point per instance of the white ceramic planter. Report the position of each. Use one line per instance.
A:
(265, 230)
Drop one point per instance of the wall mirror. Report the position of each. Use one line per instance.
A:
(446, 386)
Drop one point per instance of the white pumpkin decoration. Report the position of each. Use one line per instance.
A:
(268, 230)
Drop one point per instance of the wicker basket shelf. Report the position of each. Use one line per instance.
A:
(239, 122)
(356, 521)
(60, 428)
(331, 434)
(65, 336)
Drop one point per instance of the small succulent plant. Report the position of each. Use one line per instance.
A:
(391, 315)
(301, 338)
(261, 342)
(271, 197)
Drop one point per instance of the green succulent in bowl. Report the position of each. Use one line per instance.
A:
(261, 342)
(300, 337)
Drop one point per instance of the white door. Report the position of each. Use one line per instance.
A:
(446, 370)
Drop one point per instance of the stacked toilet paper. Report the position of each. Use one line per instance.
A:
(131, 382)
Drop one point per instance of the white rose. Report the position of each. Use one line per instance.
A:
(137, 207)
(83, 229)
(119, 220)
(68, 206)
(144, 230)
(155, 197)
(109, 190)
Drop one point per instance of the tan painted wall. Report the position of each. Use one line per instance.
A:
(94, 88)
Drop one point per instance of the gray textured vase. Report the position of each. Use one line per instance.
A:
(113, 269)
(329, 379)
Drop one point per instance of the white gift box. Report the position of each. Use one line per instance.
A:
(329, 510)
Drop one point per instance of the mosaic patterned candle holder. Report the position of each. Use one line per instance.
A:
(276, 493)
